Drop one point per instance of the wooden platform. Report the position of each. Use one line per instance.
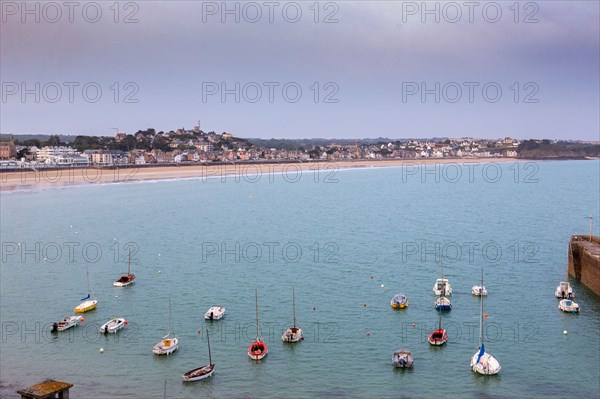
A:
(48, 389)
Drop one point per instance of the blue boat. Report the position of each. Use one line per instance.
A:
(443, 303)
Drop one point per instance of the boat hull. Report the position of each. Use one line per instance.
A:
(166, 346)
(442, 287)
(113, 326)
(292, 336)
(568, 306)
(200, 373)
(487, 365)
(258, 350)
(560, 291)
(402, 359)
(86, 306)
(66, 323)
(399, 302)
(438, 337)
(215, 313)
(478, 291)
(443, 303)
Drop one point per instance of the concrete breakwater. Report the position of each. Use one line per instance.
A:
(584, 260)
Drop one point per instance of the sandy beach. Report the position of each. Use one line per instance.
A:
(250, 172)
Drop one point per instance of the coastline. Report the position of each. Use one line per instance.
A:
(64, 177)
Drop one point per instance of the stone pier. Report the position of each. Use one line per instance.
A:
(584, 261)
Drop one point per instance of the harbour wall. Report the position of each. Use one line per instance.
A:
(584, 261)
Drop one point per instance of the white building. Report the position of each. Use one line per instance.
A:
(48, 152)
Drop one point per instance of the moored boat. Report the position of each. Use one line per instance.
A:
(438, 337)
(88, 303)
(294, 333)
(442, 285)
(170, 342)
(257, 349)
(113, 325)
(568, 306)
(564, 290)
(399, 301)
(483, 362)
(479, 290)
(128, 278)
(443, 303)
(66, 323)
(215, 313)
(403, 358)
(203, 372)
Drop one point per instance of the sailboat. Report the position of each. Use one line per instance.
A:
(438, 337)
(482, 362)
(169, 342)
(128, 278)
(564, 289)
(257, 349)
(203, 372)
(442, 285)
(88, 303)
(294, 333)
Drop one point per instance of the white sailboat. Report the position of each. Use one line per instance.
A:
(294, 333)
(88, 303)
(442, 285)
(564, 289)
(203, 372)
(169, 342)
(482, 362)
(478, 290)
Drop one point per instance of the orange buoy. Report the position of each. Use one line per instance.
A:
(485, 315)
(81, 320)
(126, 322)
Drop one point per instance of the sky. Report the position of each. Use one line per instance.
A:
(340, 69)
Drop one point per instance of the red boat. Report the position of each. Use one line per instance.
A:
(258, 350)
(438, 337)
(127, 279)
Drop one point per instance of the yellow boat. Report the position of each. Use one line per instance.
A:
(86, 306)
(88, 303)
(399, 301)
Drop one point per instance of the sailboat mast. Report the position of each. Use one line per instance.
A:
(170, 321)
(87, 272)
(481, 313)
(129, 262)
(208, 339)
(440, 323)
(294, 305)
(256, 296)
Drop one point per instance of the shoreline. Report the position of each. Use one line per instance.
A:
(250, 171)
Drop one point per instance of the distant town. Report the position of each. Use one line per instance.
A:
(194, 146)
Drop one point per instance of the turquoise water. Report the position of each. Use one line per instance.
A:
(368, 228)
